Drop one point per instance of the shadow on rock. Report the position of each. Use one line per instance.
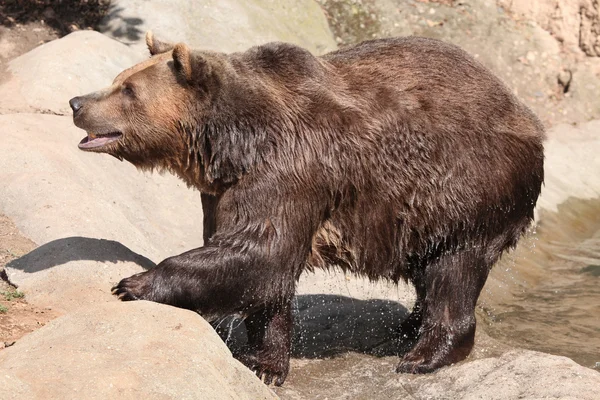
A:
(121, 27)
(327, 325)
(62, 16)
(62, 251)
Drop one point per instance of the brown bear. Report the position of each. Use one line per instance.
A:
(400, 158)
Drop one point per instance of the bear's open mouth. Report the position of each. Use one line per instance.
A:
(93, 140)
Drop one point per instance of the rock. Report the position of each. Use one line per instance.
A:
(589, 34)
(221, 25)
(575, 23)
(571, 165)
(516, 374)
(69, 273)
(52, 190)
(44, 79)
(564, 79)
(583, 91)
(127, 351)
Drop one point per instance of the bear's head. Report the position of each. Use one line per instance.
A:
(149, 112)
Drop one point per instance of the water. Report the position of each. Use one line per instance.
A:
(546, 295)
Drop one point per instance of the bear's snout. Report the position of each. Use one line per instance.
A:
(76, 104)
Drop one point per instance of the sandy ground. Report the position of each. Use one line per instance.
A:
(27, 24)
(17, 318)
(19, 39)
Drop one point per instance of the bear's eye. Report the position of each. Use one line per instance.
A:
(128, 91)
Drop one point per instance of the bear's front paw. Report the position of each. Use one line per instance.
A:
(408, 366)
(268, 368)
(136, 287)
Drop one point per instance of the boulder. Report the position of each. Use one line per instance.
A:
(46, 78)
(220, 25)
(66, 274)
(575, 23)
(515, 374)
(52, 190)
(129, 350)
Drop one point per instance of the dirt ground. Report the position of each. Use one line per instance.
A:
(17, 318)
(24, 25)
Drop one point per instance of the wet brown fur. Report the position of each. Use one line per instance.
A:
(394, 159)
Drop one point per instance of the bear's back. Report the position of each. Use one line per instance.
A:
(432, 80)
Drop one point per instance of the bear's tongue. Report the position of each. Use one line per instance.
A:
(96, 140)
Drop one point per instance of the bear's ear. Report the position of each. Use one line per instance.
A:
(155, 46)
(194, 68)
(183, 60)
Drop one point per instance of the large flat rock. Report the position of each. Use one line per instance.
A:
(221, 25)
(515, 374)
(70, 273)
(136, 350)
(52, 190)
(44, 79)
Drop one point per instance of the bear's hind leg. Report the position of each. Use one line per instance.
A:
(269, 343)
(453, 283)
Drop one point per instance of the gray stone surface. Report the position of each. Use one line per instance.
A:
(135, 350)
(516, 374)
(222, 25)
(69, 273)
(52, 190)
(46, 78)
(575, 23)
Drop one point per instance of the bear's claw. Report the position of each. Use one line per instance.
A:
(136, 287)
(122, 294)
(268, 372)
(415, 367)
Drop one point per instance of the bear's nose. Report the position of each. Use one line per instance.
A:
(76, 103)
